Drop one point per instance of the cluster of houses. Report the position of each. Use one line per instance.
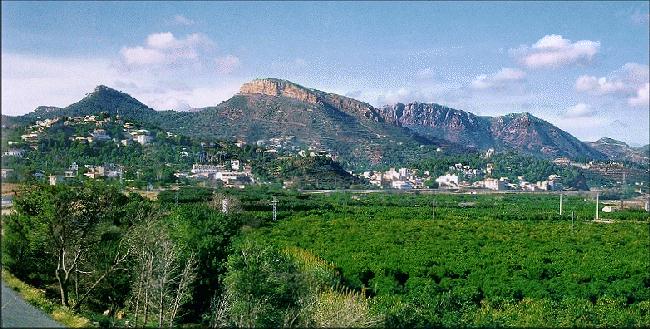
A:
(288, 146)
(132, 134)
(403, 179)
(33, 132)
(459, 176)
(453, 181)
(278, 143)
(97, 135)
(108, 170)
(234, 175)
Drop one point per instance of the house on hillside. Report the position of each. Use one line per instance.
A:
(99, 135)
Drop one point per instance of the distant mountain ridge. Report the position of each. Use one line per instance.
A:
(516, 131)
(617, 150)
(355, 131)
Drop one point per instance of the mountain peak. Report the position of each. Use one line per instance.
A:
(607, 140)
(104, 89)
(279, 87)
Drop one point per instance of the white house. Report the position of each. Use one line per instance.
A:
(401, 185)
(14, 152)
(143, 139)
(494, 184)
(450, 181)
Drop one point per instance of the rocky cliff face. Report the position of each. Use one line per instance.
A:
(277, 87)
(441, 122)
(519, 131)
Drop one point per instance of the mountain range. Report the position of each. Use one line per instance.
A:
(358, 133)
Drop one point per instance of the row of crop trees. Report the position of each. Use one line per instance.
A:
(181, 260)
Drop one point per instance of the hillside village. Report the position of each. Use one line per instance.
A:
(459, 177)
(104, 129)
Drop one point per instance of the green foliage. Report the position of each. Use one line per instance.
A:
(482, 255)
(188, 194)
(206, 233)
(263, 288)
(375, 259)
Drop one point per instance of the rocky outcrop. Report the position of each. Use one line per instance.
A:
(277, 87)
(352, 106)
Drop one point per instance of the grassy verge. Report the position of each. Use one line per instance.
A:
(37, 298)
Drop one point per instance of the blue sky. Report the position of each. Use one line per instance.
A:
(582, 66)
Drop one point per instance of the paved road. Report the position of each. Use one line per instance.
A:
(17, 313)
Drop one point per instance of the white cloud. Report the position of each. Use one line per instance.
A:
(429, 92)
(634, 73)
(32, 81)
(586, 83)
(503, 78)
(162, 40)
(227, 64)
(165, 49)
(142, 56)
(629, 82)
(641, 98)
(580, 110)
(554, 51)
(182, 20)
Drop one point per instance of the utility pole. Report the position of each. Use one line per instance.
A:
(560, 204)
(433, 209)
(571, 220)
(274, 203)
(596, 205)
(623, 190)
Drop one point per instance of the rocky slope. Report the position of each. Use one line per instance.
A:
(441, 122)
(617, 150)
(519, 131)
(350, 129)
